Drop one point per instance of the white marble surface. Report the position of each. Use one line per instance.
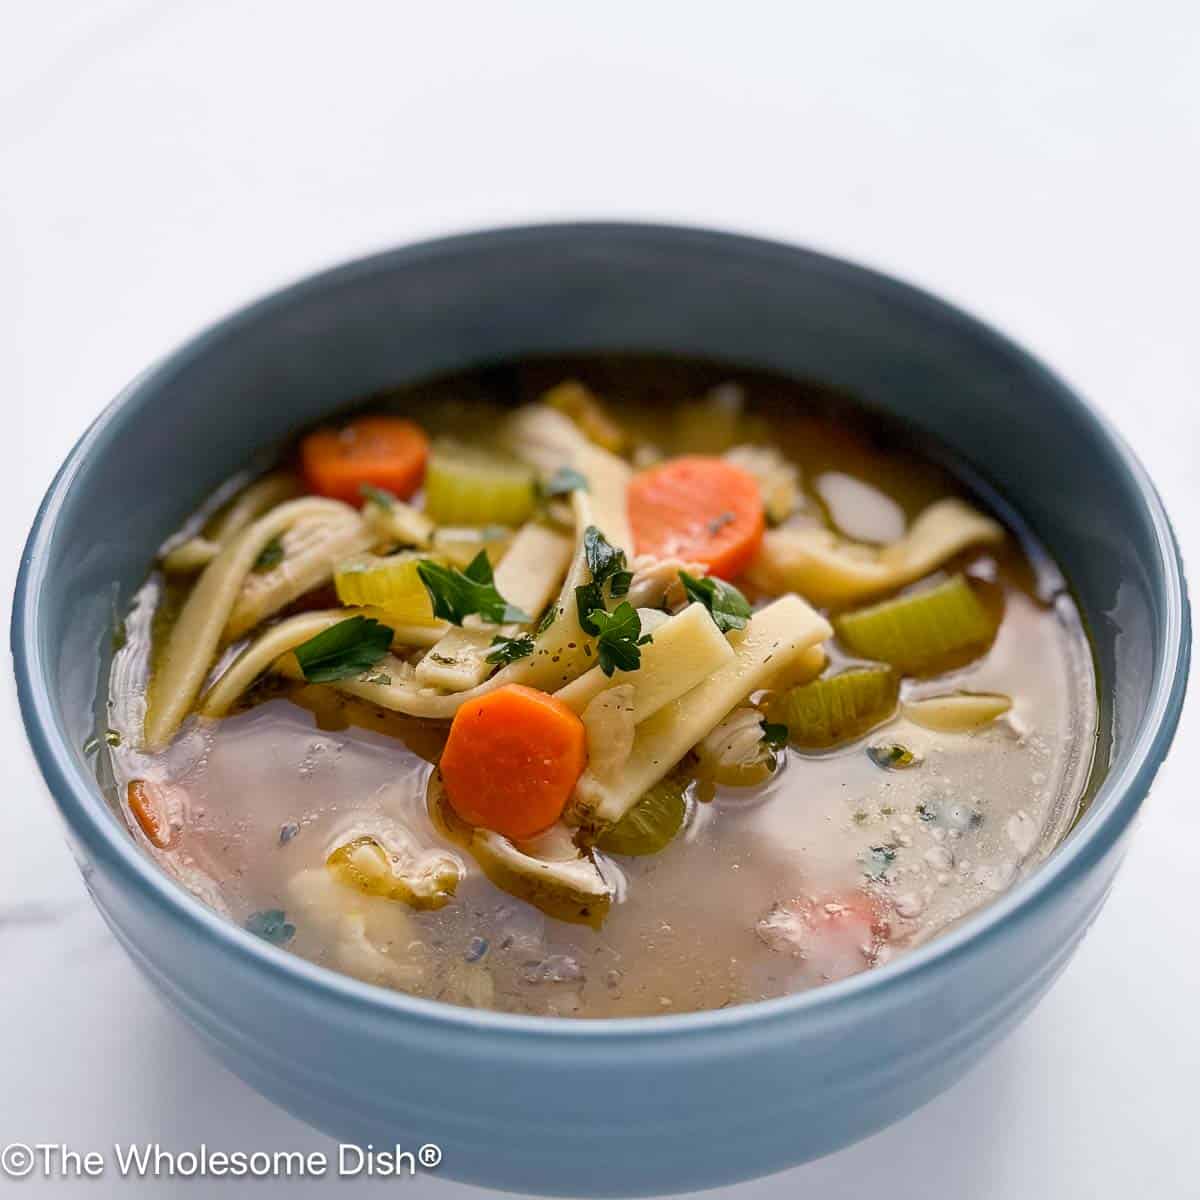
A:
(161, 162)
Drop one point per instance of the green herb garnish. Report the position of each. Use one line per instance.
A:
(774, 735)
(271, 555)
(110, 737)
(564, 481)
(891, 756)
(956, 817)
(508, 650)
(548, 619)
(380, 496)
(457, 594)
(606, 563)
(603, 558)
(348, 648)
(729, 608)
(620, 636)
(877, 861)
(589, 598)
(272, 926)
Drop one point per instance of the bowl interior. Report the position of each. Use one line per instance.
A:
(385, 321)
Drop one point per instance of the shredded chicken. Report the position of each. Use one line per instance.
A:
(609, 721)
(778, 480)
(656, 584)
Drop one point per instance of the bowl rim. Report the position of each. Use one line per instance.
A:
(87, 814)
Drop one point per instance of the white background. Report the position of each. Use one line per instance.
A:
(1037, 162)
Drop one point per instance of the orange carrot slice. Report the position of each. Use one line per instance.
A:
(698, 509)
(149, 808)
(512, 760)
(382, 451)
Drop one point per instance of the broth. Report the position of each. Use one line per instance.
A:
(841, 857)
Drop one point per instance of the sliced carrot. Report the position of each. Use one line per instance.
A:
(512, 760)
(149, 807)
(382, 451)
(698, 509)
(856, 909)
(847, 933)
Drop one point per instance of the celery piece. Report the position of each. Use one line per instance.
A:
(389, 582)
(467, 485)
(837, 708)
(923, 632)
(652, 823)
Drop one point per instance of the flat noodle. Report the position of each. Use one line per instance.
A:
(196, 635)
(266, 652)
(261, 496)
(261, 655)
(312, 550)
(686, 649)
(830, 570)
(776, 638)
(561, 653)
(548, 440)
(528, 576)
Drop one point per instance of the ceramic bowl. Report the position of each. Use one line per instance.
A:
(608, 1107)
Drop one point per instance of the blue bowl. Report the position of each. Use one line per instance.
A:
(614, 1107)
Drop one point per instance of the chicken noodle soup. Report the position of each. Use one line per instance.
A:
(600, 688)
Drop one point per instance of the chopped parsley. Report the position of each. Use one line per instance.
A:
(272, 926)
(774, 735)
(343, 650)
(603, 558)
(271, 555)
(618, 583)
(457, 594)
(110, 737)
(548, 619)
(589, 598)
(507, 650)
(877, 861)
(620, 638)
(720, 521)
(564, 481)
(891, 756)
(729, 608)
(607, 564)
(380, 496)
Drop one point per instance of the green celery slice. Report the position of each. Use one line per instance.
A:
(921, 633)
(466, 485)
(837, 708)
(652, 823)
